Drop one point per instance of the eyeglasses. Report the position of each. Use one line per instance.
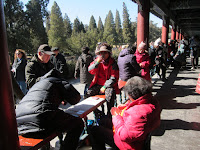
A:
(17, 53)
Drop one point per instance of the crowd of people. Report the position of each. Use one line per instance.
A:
(43, 80)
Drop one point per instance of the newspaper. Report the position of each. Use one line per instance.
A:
(83, 108)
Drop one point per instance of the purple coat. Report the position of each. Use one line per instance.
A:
(128, 66)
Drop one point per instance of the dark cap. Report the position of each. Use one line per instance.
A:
(54, 49)
(85, 49)
(45, 49)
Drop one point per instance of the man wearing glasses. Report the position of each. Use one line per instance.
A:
(39, 65)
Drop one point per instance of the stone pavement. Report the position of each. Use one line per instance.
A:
(180, 116)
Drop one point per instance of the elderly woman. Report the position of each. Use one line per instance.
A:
(143, 59)
(133, 121)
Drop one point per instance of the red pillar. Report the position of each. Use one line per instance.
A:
(143, 21)
(180, 36)
(173, 33)
(8, 126)
(165, 30)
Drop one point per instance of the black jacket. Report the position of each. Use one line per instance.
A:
(60, 64)
(39, 106)
(35, 69)
(159, 60)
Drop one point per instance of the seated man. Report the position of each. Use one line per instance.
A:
(132, 122)
(38, 114)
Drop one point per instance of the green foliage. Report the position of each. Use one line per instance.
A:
(154, 31)
(100, 29)
(118, 27)
(77, 41)
(92, 24)
(82, 28)
(25, 29)
(100, 25)
(56, 31)
(134, 31)
(115, 52)
(16, 25)
(127, 34)
(47, 22)
(36, 11)
(109, 34)
(76, 26)
(71, 63)
(68, 26)
(93, 39)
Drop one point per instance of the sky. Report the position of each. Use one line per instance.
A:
(84, 9)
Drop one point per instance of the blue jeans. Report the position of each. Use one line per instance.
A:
(86, 88)
(22, 86)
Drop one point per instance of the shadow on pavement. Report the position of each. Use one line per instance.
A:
(169, 91)
(176, 124)
(166, 96)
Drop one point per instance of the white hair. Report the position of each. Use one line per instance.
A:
(157, 42)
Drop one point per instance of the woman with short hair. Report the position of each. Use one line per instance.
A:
(132, 122)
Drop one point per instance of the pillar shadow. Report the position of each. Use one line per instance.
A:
(175, 124)
(166, 96)
(168, 91)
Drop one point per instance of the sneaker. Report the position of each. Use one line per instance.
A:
(192, 68)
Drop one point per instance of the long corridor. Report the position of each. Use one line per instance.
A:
(180, 116)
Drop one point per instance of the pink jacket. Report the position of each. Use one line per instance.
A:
(145, 60)
(140, 118)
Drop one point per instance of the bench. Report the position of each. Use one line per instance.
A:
(81, 109)
(34, 144)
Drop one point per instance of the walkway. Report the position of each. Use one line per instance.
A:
(180, 116)
(180, 124)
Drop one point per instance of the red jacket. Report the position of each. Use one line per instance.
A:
(145, 60)
(111, 71)
(139, 118)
